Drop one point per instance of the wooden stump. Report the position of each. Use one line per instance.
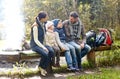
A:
(91, 58)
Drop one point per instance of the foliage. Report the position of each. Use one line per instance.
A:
(105, 73)
(20, 70)
(109, 57)
(93, 13)
(96, 12)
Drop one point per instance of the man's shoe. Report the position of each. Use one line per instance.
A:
(77, 69)
(71, 68)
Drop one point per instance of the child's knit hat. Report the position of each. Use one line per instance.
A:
(48, 24)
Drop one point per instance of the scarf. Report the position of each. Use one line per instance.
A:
(77, 30)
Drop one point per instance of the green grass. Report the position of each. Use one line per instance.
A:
(106, 73)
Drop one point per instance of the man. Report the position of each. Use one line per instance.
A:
(74, 30)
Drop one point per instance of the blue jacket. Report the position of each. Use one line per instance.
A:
(61, 33)
(59, 30)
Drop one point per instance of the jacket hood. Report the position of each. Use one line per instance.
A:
(56, 21)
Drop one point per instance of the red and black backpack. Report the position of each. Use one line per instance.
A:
(108, 36)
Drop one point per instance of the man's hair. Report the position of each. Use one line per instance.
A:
(41, 15)
(74, 14)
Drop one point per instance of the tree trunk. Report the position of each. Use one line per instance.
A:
(65, 7)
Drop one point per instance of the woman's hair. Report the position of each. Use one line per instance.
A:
(41, 15)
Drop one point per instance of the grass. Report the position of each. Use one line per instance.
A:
(105, 73)
(22, 70)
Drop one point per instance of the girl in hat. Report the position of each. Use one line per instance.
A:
(52, 39)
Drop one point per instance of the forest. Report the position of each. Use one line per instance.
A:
(93, 13)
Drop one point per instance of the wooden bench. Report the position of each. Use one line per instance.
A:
(29, 54)
(17, 56)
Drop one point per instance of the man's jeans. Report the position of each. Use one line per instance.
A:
(85, 50)
(45, 56)
(78, 50)
(70, 55)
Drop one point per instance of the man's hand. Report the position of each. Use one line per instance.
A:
(63, 49)
(82, 45)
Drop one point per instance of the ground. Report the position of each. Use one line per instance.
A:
(63, 74)
(5, 67)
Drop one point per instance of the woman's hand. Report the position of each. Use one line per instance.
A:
(45, 49)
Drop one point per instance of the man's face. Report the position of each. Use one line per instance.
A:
(73, 20)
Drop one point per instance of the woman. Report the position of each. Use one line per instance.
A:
(37, 42)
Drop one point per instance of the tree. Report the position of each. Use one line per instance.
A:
(93, 13)
(96, 12)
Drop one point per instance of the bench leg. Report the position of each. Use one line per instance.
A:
(91, 58)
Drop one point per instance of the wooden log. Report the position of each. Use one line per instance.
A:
(102, 48)
(12, 56)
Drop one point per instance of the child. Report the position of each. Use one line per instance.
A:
(70, 55)
(52, 39)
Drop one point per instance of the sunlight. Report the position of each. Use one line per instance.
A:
(13, 23)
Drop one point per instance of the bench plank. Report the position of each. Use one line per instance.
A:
(11, 56)
(28, 54)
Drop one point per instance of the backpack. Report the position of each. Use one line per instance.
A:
(91, 38)
(108, 36)
(100, 38)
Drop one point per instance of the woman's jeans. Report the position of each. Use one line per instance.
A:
(45, 56)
